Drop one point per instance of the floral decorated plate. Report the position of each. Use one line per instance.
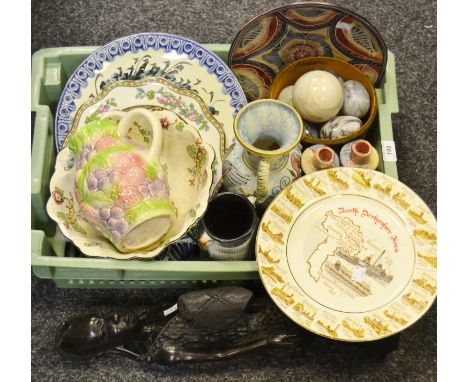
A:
(184, 107)
(187, 160)
(179, 60)
(349, 254)
(291, 32)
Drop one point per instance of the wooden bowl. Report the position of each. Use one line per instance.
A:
(291, 73)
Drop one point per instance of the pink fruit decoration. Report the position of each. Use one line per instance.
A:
(89, 212)
(121, 163)
(124, 161)
(104, 142)
(128, 196)
(134, 176)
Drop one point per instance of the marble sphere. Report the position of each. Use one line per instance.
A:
(318, 96)
(337, 76)
(311, 130)
(286, 95)
(340, 127)
(356, 99)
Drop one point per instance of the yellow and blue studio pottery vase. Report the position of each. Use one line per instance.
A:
(266, 155)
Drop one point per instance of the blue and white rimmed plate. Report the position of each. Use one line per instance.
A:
(179, 60)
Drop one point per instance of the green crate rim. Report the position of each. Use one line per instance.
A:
(47, 251)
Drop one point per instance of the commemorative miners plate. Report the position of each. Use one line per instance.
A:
(291, 32)
(183, 62)
(349, 254)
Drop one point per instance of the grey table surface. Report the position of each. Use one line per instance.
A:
(409, 29)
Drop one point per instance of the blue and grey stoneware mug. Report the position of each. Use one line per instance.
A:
(230, 224)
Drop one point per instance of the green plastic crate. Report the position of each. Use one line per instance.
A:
(52, 254)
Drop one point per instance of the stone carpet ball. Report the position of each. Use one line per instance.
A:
(318, 96)
(356, 101)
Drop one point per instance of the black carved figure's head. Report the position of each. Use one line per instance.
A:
(91, 335)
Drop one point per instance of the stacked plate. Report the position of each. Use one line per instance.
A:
(280, 36)
(349, 254)
(187, 87)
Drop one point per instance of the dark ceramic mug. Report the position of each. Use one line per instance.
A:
(230, 224)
